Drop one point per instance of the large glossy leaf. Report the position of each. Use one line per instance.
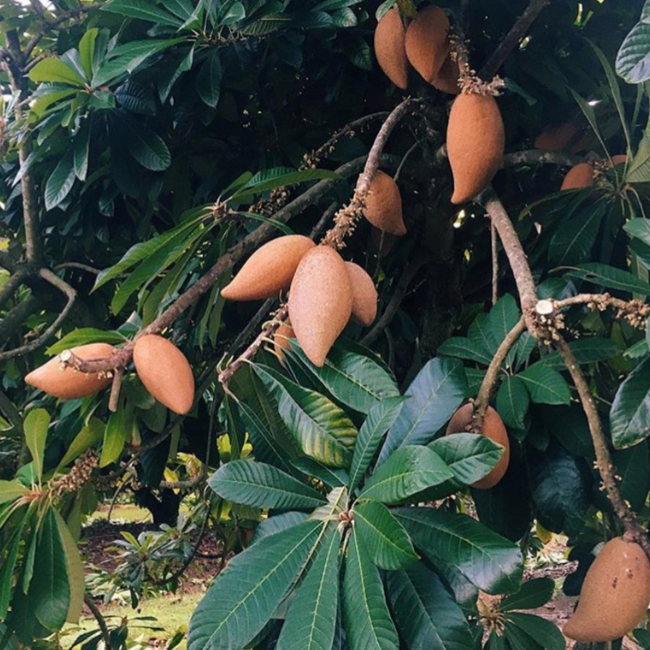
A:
(367, 621)
(533, 593)
(480, 331)
(633, 466)
(321, 429)
(380, 418)
(609, 277)
(383, 536)
(545, 385)
(512, 401)
(75, 570)
(89, 436)
(464, 348)
(144, 10)
(501, 319)
(12, 544)
(114, 438)
(51, 70)
(60, 182)
(36, 426)
(263, 486)
(11, 490)
(208, 82)
(633, 58)
(328, 475)
(278, 523)
(243, 598)
(542, 631)
(407, 471)
(629, 417)
(145, 145)
(426, 614)
(586, 350)
(311, 619)
(486, 559)
(256, 186)
(573, 241)
(433, 396)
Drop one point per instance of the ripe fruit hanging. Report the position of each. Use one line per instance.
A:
(494, 429)
(384, 205)
(614, 596)
(475, 144)
(389, 48)
(269, 270)
(579, 176)
(65, 382)
(320, 302)
(364, 295)
(426, 42)
(165, 372)
(281, 340)
(447, 78)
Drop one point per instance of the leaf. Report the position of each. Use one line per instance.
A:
(383, 536)
(88, 437)
(263, 486)
(543, 631)
(464, 348)
(244, 596)
(60, 182)
(143, 10)
(329, 476)
(114, 438)
(629, 417)
(533, 594)
(573, 241)
(87, 50)
(255, 187)
(81, 151)
(146, 146)
(503, 317)
(426, 614)
(433, 396)
(51, 70)
(136, 98)
(480, 332)
(278, 523)
(367, 621)
(208, 82)
(513, 401)
(633, 58)
(84, 336)
(311, 619)
(11, 490)
(587, 350)
(638, 229)
(470, 457)
(486, 559)
(407, 471)
(633, 466)
(36, 426)
(380, 419)
(75, 570)
(609, 277)
(545, 385)
(49, 594)
(8, 566)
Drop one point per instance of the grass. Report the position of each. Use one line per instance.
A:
(128, 513)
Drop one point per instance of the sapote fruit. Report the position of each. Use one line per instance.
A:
(447, 78)
(614, 595)
(165, 372)
(269, 269)
(65, 382)
(320, 302)
(281, 340)
(389, 48)
(494, 429)
(579, 176)
(475, 144)
(364, 295)
(426, 42)
(384, 205)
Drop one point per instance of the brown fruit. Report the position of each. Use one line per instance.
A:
(384, 205)
(494, 429)
(65, 382)
(281, 340)
(269, 269)
(475, 144)
(389, 48)
(580, 175)
(447, 79)
(320, 302)
(382, 241)
(165, 372)
(614, 595)
(364, 295)
(556, 137)
(426, 42)
(619, 159)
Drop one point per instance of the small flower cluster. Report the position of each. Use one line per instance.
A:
(79, 475)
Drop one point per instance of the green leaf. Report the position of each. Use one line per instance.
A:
(311, 619)
(60, 182)
(433, 396)
(329, 476)
(114, 438)
(75, 570)
(255, 187)
(11, 490)
(540, 630)
(380, 419)
(480, 332)
(545, 385)
(503, 317)
(609, 277)
(633, 58)
(263, 486)
(143, 10)
(383, 537)
(278, 523)
(146, 146)
(52, 70)
(574, 239)
(84, 336)
(426, 614)
(533, 594)
(208, 82)
(246, 593)
(639, 229)
(36, 426)
(464, 348)
(367, 621)
(638, 170)
(587, 350)
(49, 593)
(88, 437)
(629, 417)
(407, 471)
(513, 401)
(321, 429)
(81, 151)
(87, 50)
(633, 466)
(486, 559)
(8, 566)
(469, 456)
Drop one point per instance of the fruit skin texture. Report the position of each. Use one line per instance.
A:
(619, 159)
(447, 79)
(165, 372)
(426, 42)
(320, 302)
(389, 48)
(494, 429)
(269, 269)
(68, 383)
(384, 205)
(614, 596)
(281, 340)
(364, 295)
(579, 176)
(475, 144)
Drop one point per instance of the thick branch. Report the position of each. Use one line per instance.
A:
(11, 286)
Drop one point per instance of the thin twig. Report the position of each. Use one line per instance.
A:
(324, 220)
(116, 387)
(78, 265)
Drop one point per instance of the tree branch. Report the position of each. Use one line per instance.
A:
(101, 621)
(11, 286)
(540, 157)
